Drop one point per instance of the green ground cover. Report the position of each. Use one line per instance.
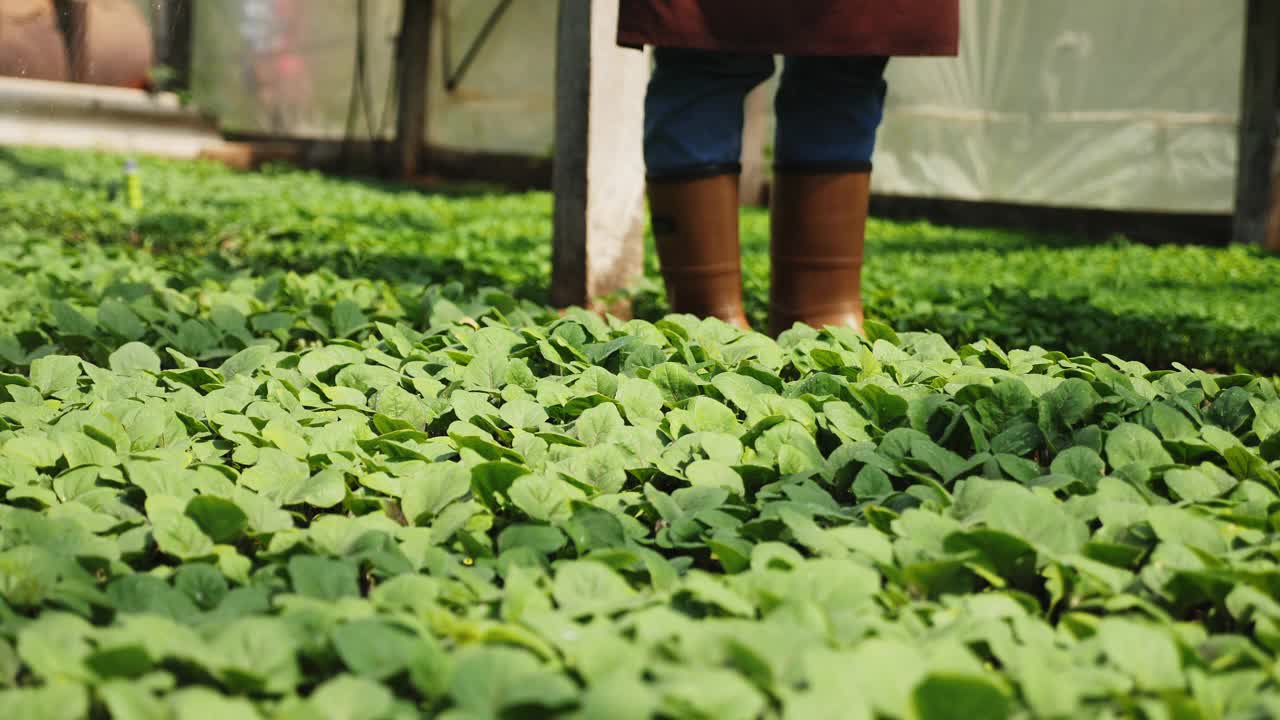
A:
(1201, 306)
(288, 447)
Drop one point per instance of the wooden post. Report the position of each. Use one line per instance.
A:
(413, 60)
(1272, 241)
(1260, 93)
(173, 22)
(598, 178)
(180, 43)
(751, 185)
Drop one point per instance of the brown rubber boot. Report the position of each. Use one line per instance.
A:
(817, 226)
(695, 227)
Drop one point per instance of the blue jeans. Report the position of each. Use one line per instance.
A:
(827, 108)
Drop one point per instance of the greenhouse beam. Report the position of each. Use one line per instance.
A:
(598, 175)
(1259, 100)
(413, 52)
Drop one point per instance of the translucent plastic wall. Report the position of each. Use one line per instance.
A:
(286, 67)
(1091, 103)
(505, 101)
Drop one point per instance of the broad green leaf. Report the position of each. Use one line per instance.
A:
(398, 403)
(487, 371)
(346, 697)
(54, 645)
(957, 697)
(286, 436)
(258, 652)
(1144, 652)
(58, 701)
(1172, 424)
(675, 382)
(323, 578)
(347, 317)
(467, 405)
(324, 359)
(135, 357)
(1231, 409)
(1179, 525)
(123, 661)
(276, 474)
(490, 480)
(618, 698)
(943, 462)
(708, 473)
(740, 389)
(149, 595)
(524, 414)
(430, 488)
(846, 420)
(1198, 484)
(596, 425)
(871, 482)
(706, 588)
(1130, 444)
(488, 680)
(117, 318)
(9, 664)
(601, 467)
(374, 649)
(493, 340)
(710, 693)
(592, 528)
(127, 700)
(203, 583)
(70, 320)
(541, 539)
(35, 450)
(583, 587)
(322, 490)
(1266, 421)
(182, 537)
(641, 400)
(221, 519)
(1065, 407)
(707, 415)
(1019, 512)
(53, 374)
(540, 497)
(1081, 463)
(431, 668)
(244, 362)
(198, 703)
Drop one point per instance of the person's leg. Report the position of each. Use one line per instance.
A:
(828, 111)
(692, 146)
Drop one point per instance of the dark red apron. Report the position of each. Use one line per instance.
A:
(794, 27)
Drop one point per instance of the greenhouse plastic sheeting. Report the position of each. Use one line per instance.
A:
(286, 67)
(506, 101)
(1095, 103)
(1092, 103)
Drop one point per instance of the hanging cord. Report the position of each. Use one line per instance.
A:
(361, 100)
(353, 101)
